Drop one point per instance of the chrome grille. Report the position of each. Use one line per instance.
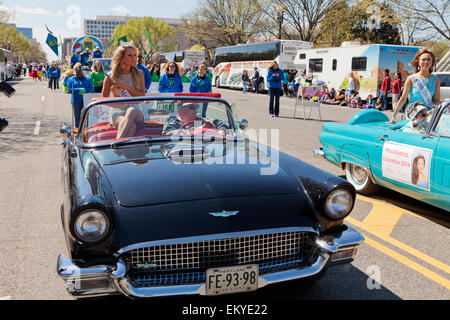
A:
(184, 263)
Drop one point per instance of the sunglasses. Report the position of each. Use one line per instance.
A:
(423, 114)
(172, 66)
(191, 107)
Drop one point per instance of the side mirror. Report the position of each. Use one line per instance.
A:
(7, 89)
(65, 131)
(243, 124)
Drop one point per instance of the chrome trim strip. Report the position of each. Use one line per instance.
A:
(210, 237)
(200, 289)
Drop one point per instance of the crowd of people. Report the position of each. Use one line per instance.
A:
(422, 86)
(129, 78)
(350, 96)
(50, 72)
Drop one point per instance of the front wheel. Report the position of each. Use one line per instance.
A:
(359, 177)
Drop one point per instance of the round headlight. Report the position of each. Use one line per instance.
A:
(91, 225)
(338, 204)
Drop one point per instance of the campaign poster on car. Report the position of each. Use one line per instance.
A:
(407, 164)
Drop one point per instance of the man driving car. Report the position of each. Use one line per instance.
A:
(188, 120)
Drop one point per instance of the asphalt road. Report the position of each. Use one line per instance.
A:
(405, 254)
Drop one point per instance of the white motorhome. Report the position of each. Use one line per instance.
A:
(367, 62)
(230, 62)
(6, 64)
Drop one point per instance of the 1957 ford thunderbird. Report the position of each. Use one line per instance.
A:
(183, 205)
(374, 152)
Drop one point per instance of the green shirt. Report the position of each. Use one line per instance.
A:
(185, 79)
(207, 73)
(96, 77)
(155, 77)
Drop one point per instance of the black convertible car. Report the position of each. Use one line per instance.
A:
(166, 196)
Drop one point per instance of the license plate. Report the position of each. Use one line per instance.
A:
(231, 280)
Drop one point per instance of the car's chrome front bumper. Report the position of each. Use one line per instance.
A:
(111, 279)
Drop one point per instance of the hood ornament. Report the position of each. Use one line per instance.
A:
(224, 214)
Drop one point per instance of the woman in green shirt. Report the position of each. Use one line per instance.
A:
(155, 72)
(98, 77)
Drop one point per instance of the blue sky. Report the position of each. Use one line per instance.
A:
(61, 16)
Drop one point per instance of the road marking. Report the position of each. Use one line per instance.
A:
(382, 220)
(43, 98)
(5, 298)
(414, 252)
(37, 128)
(383, 217)
(407, 262)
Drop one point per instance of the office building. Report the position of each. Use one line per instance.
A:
(27, 32)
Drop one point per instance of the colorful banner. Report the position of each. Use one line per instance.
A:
(149, 38)
(52, 42)
(86, 44)
(114, 38)
(407, 164)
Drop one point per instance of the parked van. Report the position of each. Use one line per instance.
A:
(367, 62)
(6, 64)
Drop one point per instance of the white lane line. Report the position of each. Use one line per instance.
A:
(5, 298)
(43, 98)
(37, 128)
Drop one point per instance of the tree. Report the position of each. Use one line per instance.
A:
(439, 48)
(302, 18)
(11, 40)
(225, 22)
(384, 29)
(337, 25)
(367, 21)
(33, 53)
(162, 35)
(428, 17)
(4, 16)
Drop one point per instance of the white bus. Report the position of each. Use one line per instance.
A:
(230, 62)
(6, 64)
(184, 58)
(367, 62)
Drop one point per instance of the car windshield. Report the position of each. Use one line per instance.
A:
(110, 122)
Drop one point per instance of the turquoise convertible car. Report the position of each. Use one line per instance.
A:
(374, 153)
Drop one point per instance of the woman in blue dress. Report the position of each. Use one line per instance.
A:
(422, 86)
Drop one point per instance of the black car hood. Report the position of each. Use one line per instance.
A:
(160, 180)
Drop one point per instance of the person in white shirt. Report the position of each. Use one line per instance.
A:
(351, 86)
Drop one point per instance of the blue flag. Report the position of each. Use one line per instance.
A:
(52, 42)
